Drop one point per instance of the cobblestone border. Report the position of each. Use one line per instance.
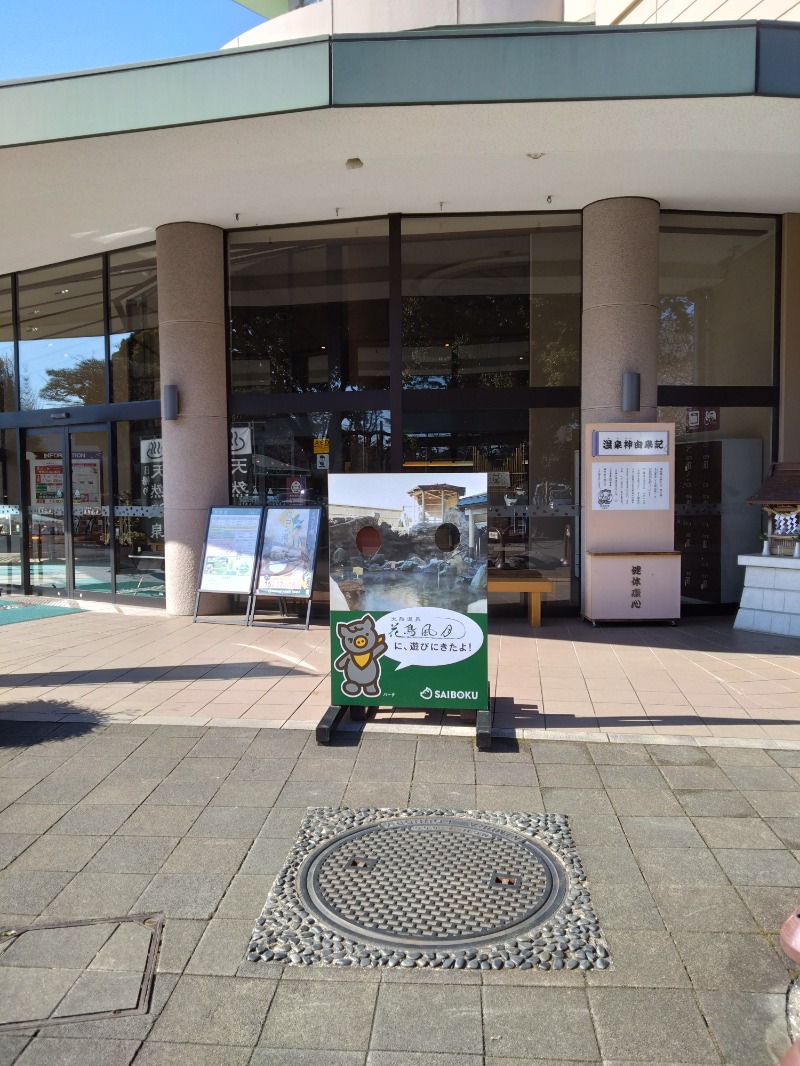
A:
(569, 939)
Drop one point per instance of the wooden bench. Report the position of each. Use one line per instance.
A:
(528, 581)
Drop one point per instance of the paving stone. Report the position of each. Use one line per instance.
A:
(103, 744)
(245, 896)
(278, 744)
(640, 959)
(692, 908)
(133, 855)
(674, 866)
(463, 773)
(454, 797)
(737, 833)
(644, 803)
(63, 949)
(97, 895)
(761, 779)
(247, 794)
(679, 755)
(506, 749)
(56, 852)
(222, 947)
(127, 1027)
(178, 941)
(641, 778)
(747, 866)
(308, 794)
(333, 772)
(226, 743)
(505, 798)
(430, 1019)
(12, 789)
(571, 801)
(705, 804)
(48, 1050)
(12, 845)
(550, 1023)
(619, 754)
(629, 908)
(267, 855)
(28, 891)
(310, 1015)
(696, 777)
(215, 1010)
(408, 1058)
(668, 832)
(769, 906)
(386, 768)
(162, 1054)
(610, 863)
(165, 747)
(267, 771)
(212, 855)
(771, 804)
(729, 756)
(787, 830)
(183, 793)
(400, 975)
(182, 895)
(11, 1047)
(283, 822)
(126, 949)
(648, 1025)
(229, 822)
(91, 819)
(736, 962)
(568, 775)
(434, 749)
(31, 818)
(98, 991)
(207, 769)
(138, 769)
(599, 829)
(30, 768)
(154, 820)
(377, 794)
(28, 994)
(750, 1029)
(785, 758)
(558, 751)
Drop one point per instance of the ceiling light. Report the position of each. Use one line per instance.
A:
(535, 155)
(354, 163)
(64, 292)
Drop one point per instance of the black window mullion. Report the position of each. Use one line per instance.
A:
(15, 333)
(395, 344)
(107, 322)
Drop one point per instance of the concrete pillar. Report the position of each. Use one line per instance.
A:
(789, 433)
(191, 316)
(620, 306)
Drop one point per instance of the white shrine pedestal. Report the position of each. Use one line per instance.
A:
(771, 596)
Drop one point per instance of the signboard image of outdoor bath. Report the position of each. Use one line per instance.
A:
(408, 577)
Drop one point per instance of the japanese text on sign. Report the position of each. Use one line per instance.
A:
(630, 487)
(630, 442)
(636, 587)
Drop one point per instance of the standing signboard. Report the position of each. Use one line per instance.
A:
(408, 594)
(632, 571)
(288, 555)
(230, 552)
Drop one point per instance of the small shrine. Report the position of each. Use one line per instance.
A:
(780, 498)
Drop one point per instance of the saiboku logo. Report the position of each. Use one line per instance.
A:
(426, 693)
(448, 694)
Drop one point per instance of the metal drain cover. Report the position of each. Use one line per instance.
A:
(438, 888)
(432, 880)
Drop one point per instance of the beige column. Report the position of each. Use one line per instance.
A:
(191, 314)
(789, 439)
(620, 306)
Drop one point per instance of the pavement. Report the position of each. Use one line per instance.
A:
(690, 842)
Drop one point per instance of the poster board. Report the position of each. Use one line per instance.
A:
(408, 617)
(288, 555)
(230, 550)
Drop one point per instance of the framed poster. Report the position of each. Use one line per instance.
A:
(289, 552)
(231, 550)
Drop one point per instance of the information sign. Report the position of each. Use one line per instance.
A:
(408, 601)
(630, 442)
(289, 552)
(630, 487)
(231, 549)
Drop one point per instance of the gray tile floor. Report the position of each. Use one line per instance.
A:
(692, 858)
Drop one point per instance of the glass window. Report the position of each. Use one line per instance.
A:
(10, 513)
(133, 293)
(717, 300)
(492, 302)
(531, 458)
(62, 335)
(8, 400)
(139, 509)
(722, 456)
(309, 308)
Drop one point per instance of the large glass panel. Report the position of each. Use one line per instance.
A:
(7, 390)
(531, 458)
(10, 513)
(717, 300)
(491, 302)
(309, 308)
(62, 335)
(89, 488)
(133, 294)
(139, 509)
(44, 461)
(722, 456)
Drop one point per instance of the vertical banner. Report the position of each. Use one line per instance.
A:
(408, 593)
(230, 551)
(289, 552)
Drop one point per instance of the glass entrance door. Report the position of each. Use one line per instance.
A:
(69, 544)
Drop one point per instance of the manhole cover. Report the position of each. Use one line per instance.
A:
(431, 880)
(449, 889)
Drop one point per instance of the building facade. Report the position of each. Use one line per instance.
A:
(433, 249)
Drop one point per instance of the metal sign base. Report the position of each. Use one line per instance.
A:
(283, 601)
(329, 722)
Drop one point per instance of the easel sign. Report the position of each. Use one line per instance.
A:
(229, 554)
(288, 557)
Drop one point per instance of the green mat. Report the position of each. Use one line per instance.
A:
(24, 612)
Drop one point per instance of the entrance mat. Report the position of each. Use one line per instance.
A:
(25, 612)
(443, 889)
(60, 972)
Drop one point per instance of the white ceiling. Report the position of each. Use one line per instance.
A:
(73, 198)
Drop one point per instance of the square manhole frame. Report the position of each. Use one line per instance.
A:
(154, 923)
(274, 940)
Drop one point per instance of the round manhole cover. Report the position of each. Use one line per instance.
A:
(431, 880)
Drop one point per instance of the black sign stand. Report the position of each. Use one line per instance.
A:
(222, 619)
(284, 600)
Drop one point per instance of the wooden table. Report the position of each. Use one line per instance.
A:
(527, 581)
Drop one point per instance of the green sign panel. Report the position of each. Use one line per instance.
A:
(408, 591)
